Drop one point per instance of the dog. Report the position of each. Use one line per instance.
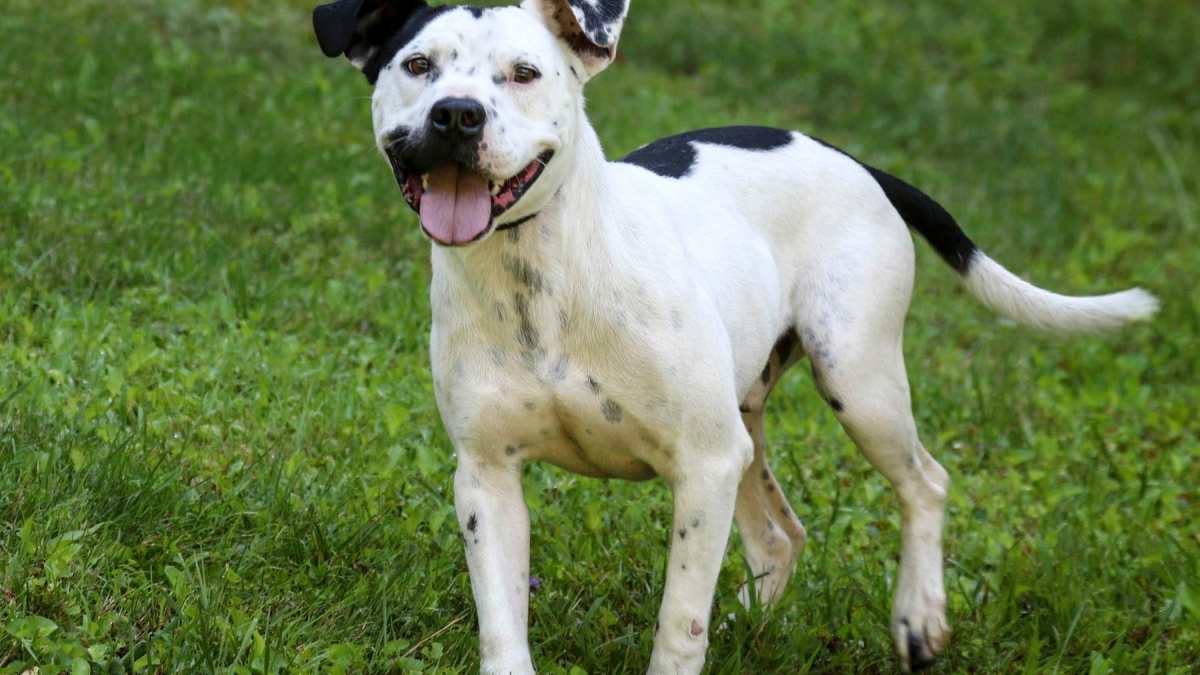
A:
(629, 319)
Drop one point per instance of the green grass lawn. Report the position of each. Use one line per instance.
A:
(219, 450)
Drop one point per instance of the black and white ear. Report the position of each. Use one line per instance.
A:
(589, 27)
(358, 28)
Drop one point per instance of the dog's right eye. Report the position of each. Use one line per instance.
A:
(417, 65)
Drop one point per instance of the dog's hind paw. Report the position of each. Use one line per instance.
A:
(918, 644)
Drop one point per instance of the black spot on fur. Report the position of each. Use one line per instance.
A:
(682, 533)
(576, 74)
(656, 628)
(766, 474)
(766, 375)
(744, 408)
(523, 273)
(835, 404)
(770, 487)
(674, 156)
(471, 523)
(558, 371)
(510, 450)
(527, 335)
(612, 411)
(499, 78)
(785, 346)
(695, 522)
(530, 405)
(924, 215)
(593, 384)
(475, 11)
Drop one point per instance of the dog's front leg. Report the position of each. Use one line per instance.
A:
(495, 527)
(705, 490)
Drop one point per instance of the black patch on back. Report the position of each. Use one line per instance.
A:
(475, 11)
(924, 215)
(674, 156)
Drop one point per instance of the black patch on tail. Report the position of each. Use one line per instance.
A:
(924, 215)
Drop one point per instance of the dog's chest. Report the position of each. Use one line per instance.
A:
(531, 367)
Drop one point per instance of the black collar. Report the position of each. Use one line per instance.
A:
(517, 222)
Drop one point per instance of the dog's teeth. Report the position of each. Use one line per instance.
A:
(425, 182)
(495, 189)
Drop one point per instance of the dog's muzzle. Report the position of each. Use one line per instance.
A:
(457, 203)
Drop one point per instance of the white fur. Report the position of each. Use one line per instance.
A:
(1007, 294)
(617, 333)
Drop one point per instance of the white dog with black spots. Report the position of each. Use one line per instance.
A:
(629, 319)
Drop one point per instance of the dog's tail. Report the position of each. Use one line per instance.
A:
(1001, 290)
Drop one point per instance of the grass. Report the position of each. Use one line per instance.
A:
(219, 450)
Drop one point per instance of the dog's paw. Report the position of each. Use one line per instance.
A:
(920, 633)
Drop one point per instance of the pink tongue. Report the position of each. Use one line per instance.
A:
(456, 206)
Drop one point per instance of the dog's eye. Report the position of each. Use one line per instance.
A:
(525, 74)
(417, 65)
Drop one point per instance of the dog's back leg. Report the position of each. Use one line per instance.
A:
(771, 533)
(852, 333)
(871, 390)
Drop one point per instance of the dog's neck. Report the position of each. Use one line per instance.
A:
(563, 240)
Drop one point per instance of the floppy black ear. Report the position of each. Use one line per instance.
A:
(589, 27)
(357, 28)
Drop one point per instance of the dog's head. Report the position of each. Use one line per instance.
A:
(472, 105)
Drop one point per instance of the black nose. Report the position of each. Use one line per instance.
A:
(458, 117)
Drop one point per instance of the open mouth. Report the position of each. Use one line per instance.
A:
(458, 205)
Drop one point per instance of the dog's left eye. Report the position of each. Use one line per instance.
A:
(525, 74)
